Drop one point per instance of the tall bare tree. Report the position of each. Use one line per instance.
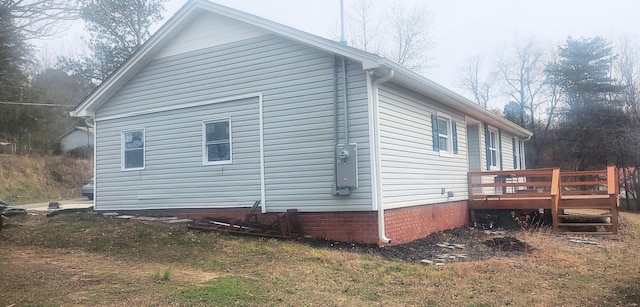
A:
(521, 71)
(627, 72)
(475, 80)
(405, 38)
(362, 25)
(409, 35)
(39, 18)
(627, 69)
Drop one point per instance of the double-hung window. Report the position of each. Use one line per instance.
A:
(493, 148)
(217, 141)
(444, 134)
(133, 149)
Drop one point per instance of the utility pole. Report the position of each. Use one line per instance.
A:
(342, 39)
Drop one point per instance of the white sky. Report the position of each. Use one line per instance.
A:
(461, 28)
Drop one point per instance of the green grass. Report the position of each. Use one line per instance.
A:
(225, 291)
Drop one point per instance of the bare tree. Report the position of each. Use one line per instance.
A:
(521, 70)
(363, 26)
(477, 82)
(39, 18)
(628, 73)
(404, 39)
(409, 35)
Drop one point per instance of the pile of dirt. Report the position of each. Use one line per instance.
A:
(475, 244)
(34, 179)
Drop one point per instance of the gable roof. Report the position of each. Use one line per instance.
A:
(401, 75)
(76, 128)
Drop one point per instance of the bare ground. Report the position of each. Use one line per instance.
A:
(478, 245)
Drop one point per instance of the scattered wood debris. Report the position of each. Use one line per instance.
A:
(585, 240)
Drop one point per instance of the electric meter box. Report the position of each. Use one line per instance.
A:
(347, 166)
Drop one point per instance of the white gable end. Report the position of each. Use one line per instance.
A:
(209, 30)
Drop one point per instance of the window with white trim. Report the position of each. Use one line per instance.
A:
(133, 149)
(493, 148)
(217, 141)
(444, 133)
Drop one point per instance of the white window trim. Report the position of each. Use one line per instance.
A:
(516, 152)
(523, 164)
(496, 149)
(449, 152)
(204, 142)
(123, 149)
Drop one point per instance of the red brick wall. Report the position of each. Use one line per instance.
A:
(402, 225)
(411, 223)
(356, 227)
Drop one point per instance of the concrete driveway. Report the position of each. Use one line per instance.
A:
(64, 204)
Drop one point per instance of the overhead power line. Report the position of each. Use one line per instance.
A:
(36, 104)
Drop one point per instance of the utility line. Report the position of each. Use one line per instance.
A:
(36, 104)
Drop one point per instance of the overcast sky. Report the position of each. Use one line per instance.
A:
(461, 27)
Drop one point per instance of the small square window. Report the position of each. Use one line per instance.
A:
(217, 141)
(133, 149)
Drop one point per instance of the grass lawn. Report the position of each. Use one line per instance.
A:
(85, 259)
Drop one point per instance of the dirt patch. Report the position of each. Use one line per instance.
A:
(467, 241)
(507, 244)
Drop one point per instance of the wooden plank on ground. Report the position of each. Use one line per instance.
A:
(511, 204)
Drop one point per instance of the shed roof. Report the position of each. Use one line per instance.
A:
(375, 63)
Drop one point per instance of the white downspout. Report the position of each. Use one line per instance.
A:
(381, 230)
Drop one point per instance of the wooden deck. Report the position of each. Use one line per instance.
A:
(565, 194)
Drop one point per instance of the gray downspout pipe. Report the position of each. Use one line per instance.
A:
(381, 229)
(345, 102)
(335, 125)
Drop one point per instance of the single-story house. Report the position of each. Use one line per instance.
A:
(221, 108)
(76, 137)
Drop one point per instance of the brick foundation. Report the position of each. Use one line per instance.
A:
(402, 225)
(407, 224)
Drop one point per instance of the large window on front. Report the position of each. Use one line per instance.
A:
(217, 141)
(133, 149)
(493, 148)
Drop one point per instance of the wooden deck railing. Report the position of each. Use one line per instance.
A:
(546, 189)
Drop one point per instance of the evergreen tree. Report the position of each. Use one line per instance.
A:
(117, 28)
(592, 116)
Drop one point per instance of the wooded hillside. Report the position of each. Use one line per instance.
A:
(35, 179)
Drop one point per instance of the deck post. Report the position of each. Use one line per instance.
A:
(613, 189)
(555, 196)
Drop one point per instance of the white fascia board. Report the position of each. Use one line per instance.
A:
(422, 85)
(368, 60)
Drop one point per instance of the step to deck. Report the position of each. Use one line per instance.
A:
(589, 216)
(593, 233)
(602, 207)
(584, 224)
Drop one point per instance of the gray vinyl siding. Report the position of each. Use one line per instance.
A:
(174, 172)
(473, 140)
(412, 172)
(507, 151)
(296, 83)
